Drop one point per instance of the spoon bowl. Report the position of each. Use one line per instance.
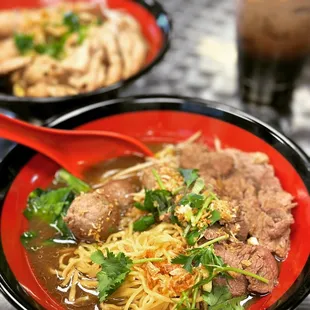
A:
(73, 150)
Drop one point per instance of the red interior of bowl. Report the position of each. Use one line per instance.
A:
(164, 126)
(151, 31)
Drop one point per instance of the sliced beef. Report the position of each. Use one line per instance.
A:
(255, 259)
(248, 180)
(92, 217)
(213, 232)
(237, 286)
(210, 164)
(119, 192)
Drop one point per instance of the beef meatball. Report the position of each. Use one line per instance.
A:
(118, 192)
(92, 217)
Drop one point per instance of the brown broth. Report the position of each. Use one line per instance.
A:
(47, 257)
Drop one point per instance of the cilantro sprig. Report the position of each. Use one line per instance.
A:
(156, 203)
(114, 270)
(189, 175)
(221, 298)
(160, 202)
(205, 256)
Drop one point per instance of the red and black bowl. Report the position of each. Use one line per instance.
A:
(156, 26)
(156, 119)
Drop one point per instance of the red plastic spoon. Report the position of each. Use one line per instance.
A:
(71, 149)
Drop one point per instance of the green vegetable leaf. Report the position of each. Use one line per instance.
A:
(144, 222)
(82, 34)
(208, 257)
(195, 257)
(189, 175)
(27, 237)
(73, 182)
(192, 237)
(218, 295)
(98, 257)
(156, 201)
(23, 42)
(114, 269)
(215, 216)
(184, 260)
(231, 304)
(72, 21)
(194, 200)
(48, 205)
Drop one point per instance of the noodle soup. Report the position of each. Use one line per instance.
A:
(191, 228)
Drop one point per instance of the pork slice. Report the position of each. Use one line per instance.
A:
(8, 49)
(79, 59)
(10, 21)
(41, 69)
(133, 51)
(104, 37)
(12, 64)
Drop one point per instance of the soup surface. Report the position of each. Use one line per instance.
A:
(192, 228)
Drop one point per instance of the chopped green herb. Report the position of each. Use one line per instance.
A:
(156, 201)
(215, 216)
(158, 179)
(220, 298)
(114, 269)
(192, 237)
(23, 42)
(194, 200)
(198, 186)
(218, 295)
(185, 260)
(82, 34)
(99, 21)
(144, 222)
(222, 302)
(189, 175)
(72, 21)
(73, 182)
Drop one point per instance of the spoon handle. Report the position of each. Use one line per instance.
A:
(37, 138)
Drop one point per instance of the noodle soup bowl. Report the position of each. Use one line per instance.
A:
(155, 119)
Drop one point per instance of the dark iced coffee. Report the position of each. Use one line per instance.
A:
(273, 44)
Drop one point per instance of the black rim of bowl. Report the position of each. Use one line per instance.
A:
(164, 22)
(13, 162)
